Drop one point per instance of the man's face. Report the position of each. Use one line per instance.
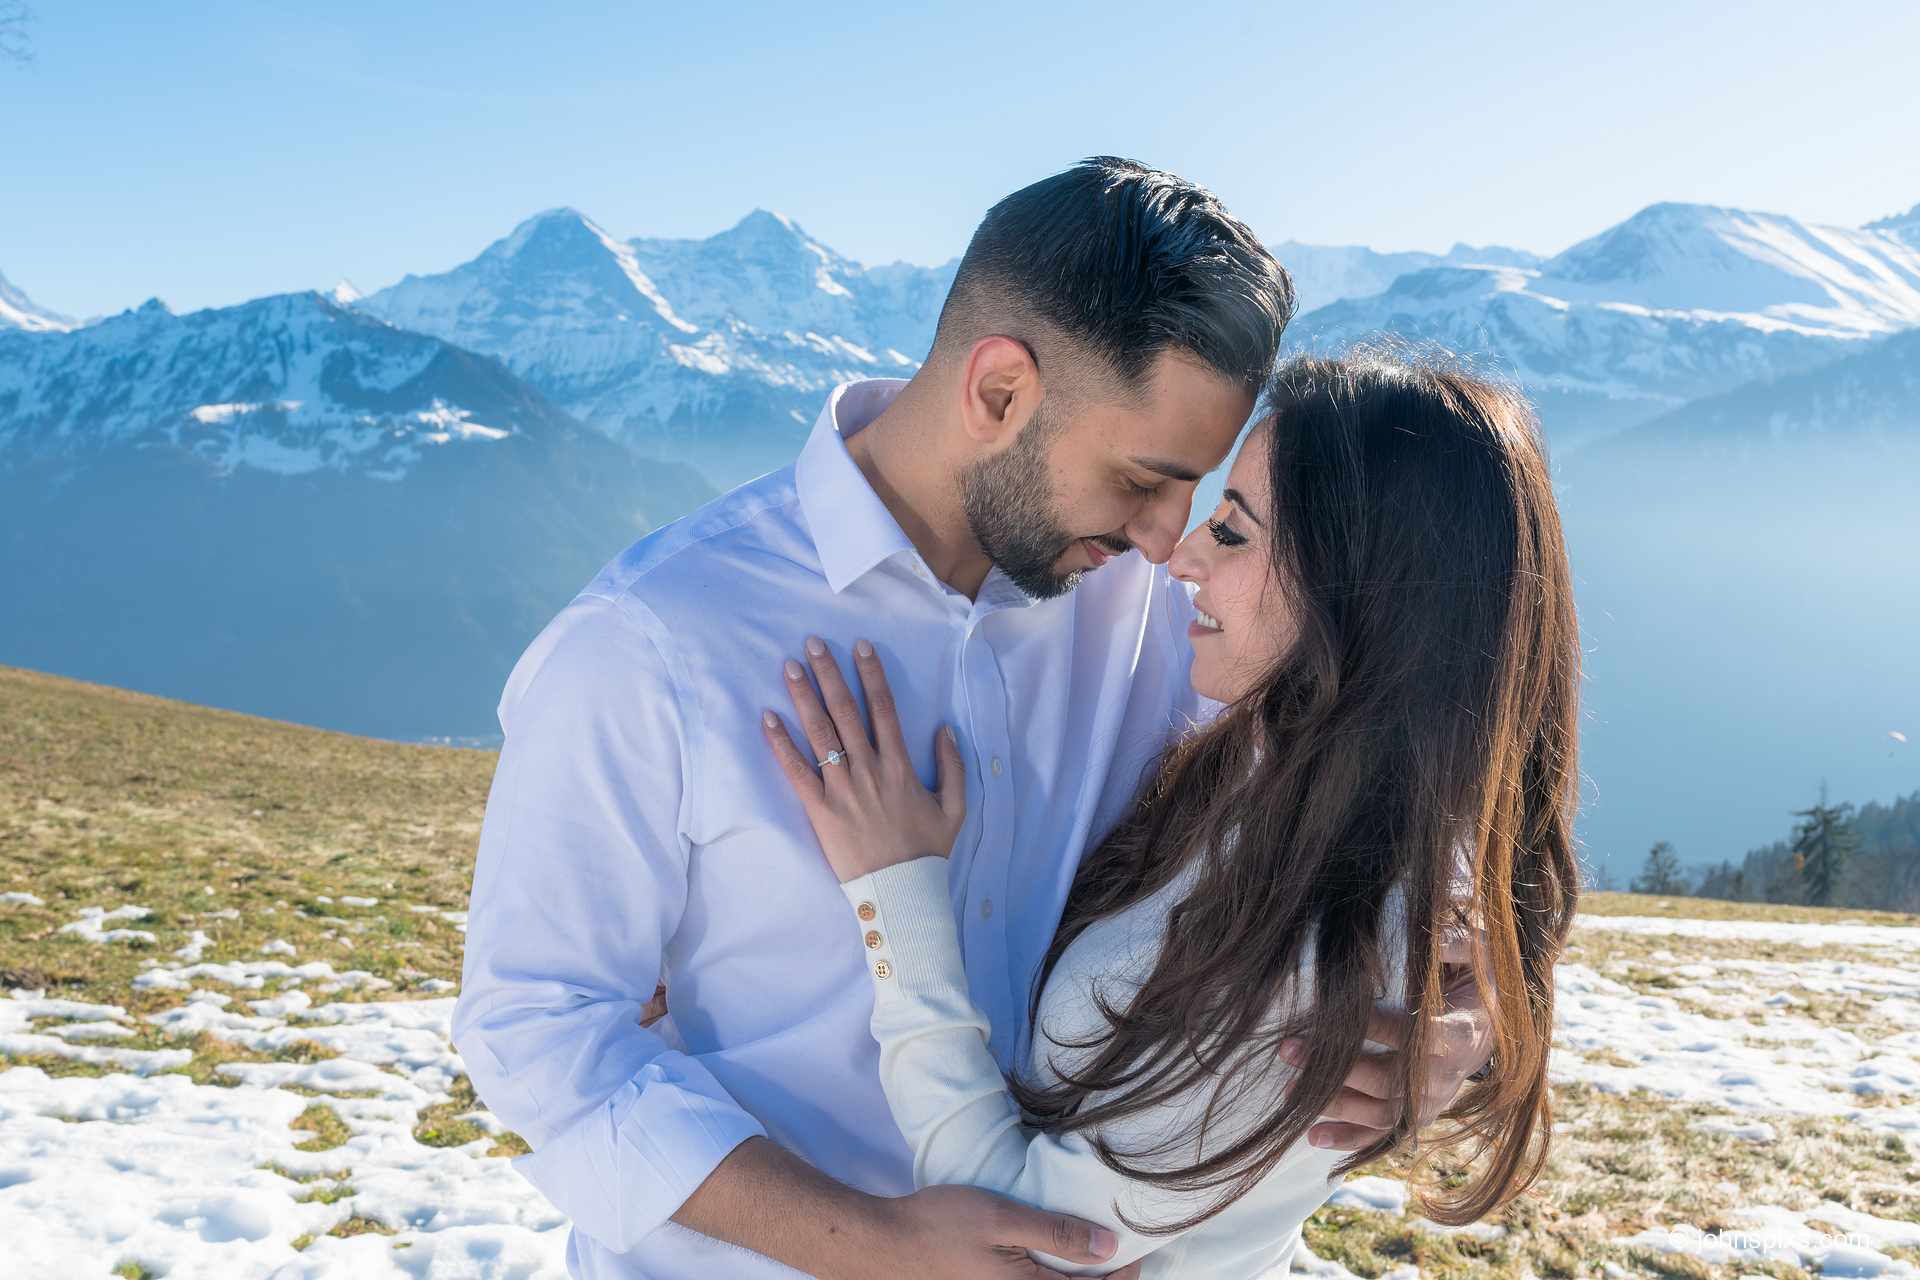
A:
(1071, 493)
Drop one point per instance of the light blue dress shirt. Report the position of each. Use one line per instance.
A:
(638, 829)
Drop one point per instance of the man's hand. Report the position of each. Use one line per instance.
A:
(964, 1233)
(765, 1198)
(1459, 1043)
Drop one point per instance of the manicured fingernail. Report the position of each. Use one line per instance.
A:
(1103, 1241)
(864, 649)
(795, 671)
(769, 719)
(952, 737)
(1290, 1050)
(814, 646)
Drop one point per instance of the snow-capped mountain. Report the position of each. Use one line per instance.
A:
(1326, 273)
(1677, 302)
(291, 508)
(1763, 269)
(717, 349)
(1902, 226)
(287, 384)
(18, 311)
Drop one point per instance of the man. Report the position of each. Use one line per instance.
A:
(1101, 347)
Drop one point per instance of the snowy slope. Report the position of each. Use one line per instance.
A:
(720, 345)
(18, 311)
(1326, 273)
(1763, 269)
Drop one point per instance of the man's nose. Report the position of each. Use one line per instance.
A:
(1156, 530)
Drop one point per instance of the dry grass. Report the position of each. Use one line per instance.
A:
(110, 798)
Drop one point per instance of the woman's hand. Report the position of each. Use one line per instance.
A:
(866, 806)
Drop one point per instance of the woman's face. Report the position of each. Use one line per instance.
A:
(1246, 621)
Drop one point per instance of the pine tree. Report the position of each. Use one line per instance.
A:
(1821, 844)
(1661, 874)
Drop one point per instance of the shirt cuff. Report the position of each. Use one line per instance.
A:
(627, 1166)
(905, 918)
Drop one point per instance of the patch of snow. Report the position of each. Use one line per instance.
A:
(91, 925)
(20, 899)
(1746, 1131)
(1367, 1191)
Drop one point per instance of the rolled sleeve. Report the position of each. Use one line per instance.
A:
(580, 880)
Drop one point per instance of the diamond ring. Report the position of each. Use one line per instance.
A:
(833, 757)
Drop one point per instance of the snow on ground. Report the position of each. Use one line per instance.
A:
(189, 1179)
(93, 921)
(1839, 934)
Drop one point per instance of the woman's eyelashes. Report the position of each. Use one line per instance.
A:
(1223, 533)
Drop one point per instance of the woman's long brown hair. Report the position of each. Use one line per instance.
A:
(1426, 710)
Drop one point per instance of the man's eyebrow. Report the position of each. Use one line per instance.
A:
(1172, 470)
(1239, 500)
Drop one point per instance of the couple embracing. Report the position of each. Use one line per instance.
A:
(1040, 888)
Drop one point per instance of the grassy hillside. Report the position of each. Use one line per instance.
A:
(109, 798)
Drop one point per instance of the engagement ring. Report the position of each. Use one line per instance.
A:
(833, 757)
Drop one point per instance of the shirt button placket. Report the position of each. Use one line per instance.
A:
(989, 874)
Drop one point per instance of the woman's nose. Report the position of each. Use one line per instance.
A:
(1186, 563)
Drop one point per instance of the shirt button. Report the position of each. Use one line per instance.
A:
(882, 970)
(986, 908)
(873, 940)
(996, 766)
(865, 911)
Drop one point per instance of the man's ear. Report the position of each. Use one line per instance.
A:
(999, 391)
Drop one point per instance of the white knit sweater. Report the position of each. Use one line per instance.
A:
(950, 1101)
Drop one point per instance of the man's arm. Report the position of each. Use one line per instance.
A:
(765, 1198)
(580, 879)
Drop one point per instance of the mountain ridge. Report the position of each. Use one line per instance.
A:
(19, 312)
(292, 508)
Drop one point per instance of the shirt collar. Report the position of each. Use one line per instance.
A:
(852, 529)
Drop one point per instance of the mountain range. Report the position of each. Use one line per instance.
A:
(355, 510)
(716, 351)
(293, 508)
(1675, 303)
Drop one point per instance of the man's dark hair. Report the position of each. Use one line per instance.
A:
(1124, 262)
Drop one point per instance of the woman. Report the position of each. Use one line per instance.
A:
(1386, 612)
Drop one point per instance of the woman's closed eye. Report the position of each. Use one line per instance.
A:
(1224, 534)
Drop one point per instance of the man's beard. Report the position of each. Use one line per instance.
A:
(1008, 498)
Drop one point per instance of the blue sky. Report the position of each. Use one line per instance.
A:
(217, 151)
